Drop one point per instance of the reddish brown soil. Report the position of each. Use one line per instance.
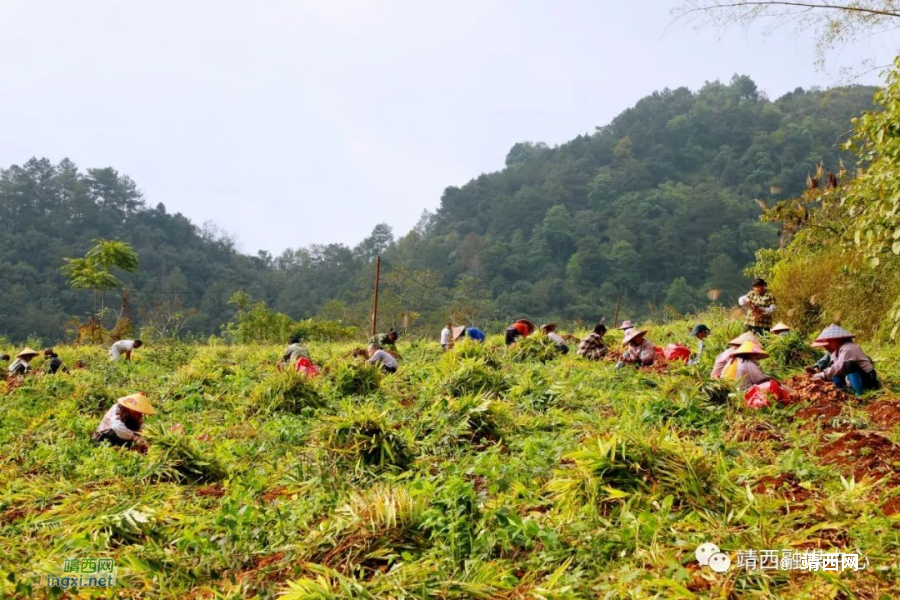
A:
(785, 485)
(214, 491)
(757, 432)
(885, 412)
(275, 493)
(864, 454)
(892, 506)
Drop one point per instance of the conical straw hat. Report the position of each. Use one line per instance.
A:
(834, 332)
(458, 331)
(633, 333)
(744, 338)
(780, 326)
(138, 403)
(750, 349)
(27, 352)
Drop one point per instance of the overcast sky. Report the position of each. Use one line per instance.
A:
(291, 122)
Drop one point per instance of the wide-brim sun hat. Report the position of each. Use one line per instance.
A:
(750, 349)
(744, 338)
(626, 325)
(634, 333)
(138, 403)
(835, 332)
(780, 326)
(27, 352)
(531, 327)
(458, 331)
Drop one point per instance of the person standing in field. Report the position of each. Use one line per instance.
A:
(381, 358)
(593, 347)
(121, 425)
(22, 364)
(845, 362)
(446, 336)
(760, 304)
(124, 348)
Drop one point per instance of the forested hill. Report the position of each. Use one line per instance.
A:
(659, 205)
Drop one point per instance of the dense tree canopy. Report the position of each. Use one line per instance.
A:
(660, 205)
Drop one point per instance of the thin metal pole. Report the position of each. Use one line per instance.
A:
(616, 318)
(377, 280)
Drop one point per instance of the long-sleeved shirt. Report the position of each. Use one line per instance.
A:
(764, 303)
(382, 357)
(644, 353)
(294, 352)
(18, 367)
(112, 421)
(721, 361)
(848, 352)
(119, 348)
(382, 340)
(696, 358)
(749, 374)
(445, 336)
(556, 338)
(592, 347)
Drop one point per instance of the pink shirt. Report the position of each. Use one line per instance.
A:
(749, 374)
(848, 351)
(721, 361)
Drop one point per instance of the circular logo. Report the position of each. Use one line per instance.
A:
(704, 551)
(720, 562)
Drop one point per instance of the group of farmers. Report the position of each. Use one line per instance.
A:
(844, 362)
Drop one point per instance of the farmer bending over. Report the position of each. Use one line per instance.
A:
(124, 348)
(550, 331)
(22, 364)
(845, 362)
(379, 357)
(520, 329)
(121, 425)
(639, 351)
(294, 352)
(593, 347)
(385, 341)
(473, 333)
(54, 362)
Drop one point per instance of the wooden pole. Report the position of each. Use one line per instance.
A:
(377, 280)
(616, 318)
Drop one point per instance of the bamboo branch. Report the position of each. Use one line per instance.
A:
(804, 5)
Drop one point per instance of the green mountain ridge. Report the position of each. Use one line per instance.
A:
(658, 206)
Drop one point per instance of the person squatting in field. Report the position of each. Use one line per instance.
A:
(22, 364)
(122, 423)
(639, 351)
(386, 341)
(593, 347)
(722, 359)
(549, 330)
(845, 362)
(382, 358)
(123, 348)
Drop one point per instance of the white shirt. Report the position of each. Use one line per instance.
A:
(112, 422)
(119, 348)
(384, 358)
(768, 309)
(18, 363)
(445, 336)
(556, 338)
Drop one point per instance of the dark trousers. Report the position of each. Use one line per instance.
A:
(111, 437)
(512, 334)
(562, 348)
(859, 380)
(758, 331)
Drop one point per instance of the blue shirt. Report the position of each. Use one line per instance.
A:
(475, 334)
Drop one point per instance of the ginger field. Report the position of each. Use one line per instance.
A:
(479, 473)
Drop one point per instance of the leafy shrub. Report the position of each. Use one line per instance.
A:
(351, 379)
(368, 438)
(789, 352)
(284, 392)
(473, 376)
(535, 348)
(172, 457)
(319, 330)
(485, 418)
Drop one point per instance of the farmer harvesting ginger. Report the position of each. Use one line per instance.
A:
(760, 304)
(381, 358)
(121, 425)
(745, 366)
(639, 352)
(385, 341)
(723, 358)
(294, 352)
(845, 362)
(593, 347)
(520, 329)
(124, 348)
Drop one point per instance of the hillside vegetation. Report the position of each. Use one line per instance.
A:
(480, 473)
(658, 205)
